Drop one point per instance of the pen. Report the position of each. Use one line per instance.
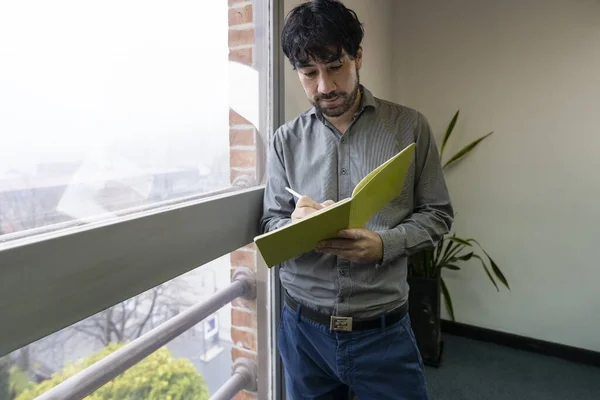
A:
(293, 192)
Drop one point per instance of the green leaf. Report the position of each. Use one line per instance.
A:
(451, 266)
(495, 268)
(449, 251)
(487, 271)
(465, 150)
(464, 242)
(448, 299)
(438, 251)
(465, 257)
(440, 261)
(453, 256)
(157, 377)
(449, 130)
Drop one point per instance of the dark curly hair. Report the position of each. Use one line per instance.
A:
(320, 30)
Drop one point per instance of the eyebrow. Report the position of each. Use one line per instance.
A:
(310, 64)
(305, 65)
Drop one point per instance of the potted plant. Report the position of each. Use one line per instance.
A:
(425, 268)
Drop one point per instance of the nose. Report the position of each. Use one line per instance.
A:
(326, 84)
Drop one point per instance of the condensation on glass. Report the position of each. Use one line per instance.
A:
(114, 107)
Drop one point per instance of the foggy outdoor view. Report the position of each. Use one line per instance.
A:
(98, 116)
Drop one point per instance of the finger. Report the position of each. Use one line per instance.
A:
(306, 201)
(353, 234)
(328, 203)
(336, 244)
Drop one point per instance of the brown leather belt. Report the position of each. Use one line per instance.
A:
(348, 324)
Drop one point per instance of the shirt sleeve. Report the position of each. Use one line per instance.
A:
(433, 213)
(278, 204)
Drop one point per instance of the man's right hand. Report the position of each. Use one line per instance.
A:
(306, 206)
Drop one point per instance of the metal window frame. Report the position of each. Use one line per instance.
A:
(269, 14)
(49, 283)
(54, 279)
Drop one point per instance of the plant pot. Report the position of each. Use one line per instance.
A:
(424, 301)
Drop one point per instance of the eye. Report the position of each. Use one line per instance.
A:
(336, 67)
(310, 74)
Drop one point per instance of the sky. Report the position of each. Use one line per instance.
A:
(143, 80)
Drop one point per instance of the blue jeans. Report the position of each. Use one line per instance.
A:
(378, 364)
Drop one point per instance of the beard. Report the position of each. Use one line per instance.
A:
(343, 101)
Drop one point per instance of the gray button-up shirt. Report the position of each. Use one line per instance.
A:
(312, 157)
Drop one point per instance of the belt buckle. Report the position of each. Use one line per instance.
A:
(341, 324)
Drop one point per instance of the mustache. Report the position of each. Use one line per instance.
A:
(329, 96)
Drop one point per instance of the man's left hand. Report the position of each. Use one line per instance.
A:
(357, 245)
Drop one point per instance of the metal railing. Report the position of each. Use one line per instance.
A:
(244, 374)
(242, 378)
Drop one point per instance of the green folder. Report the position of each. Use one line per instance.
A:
(371, 194)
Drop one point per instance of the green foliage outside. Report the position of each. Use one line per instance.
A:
(157, 377)
(4, 378)
(19, 380)
(12, 379)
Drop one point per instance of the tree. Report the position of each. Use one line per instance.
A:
(4, 378)
(157, 377)
(134, 317)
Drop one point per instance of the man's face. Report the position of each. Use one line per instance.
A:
(332, 87)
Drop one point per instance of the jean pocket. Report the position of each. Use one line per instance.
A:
(411, 334)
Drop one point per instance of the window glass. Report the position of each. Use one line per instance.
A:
(111, 106)
(198, 362)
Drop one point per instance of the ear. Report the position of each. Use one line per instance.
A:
(359, 57)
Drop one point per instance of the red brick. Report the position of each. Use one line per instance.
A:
(244, 339)
(243, 258)
(241, 137)
(241, 37)
(243, 319)
(242, 303)
(240, 15)
(243, 56)
(237, 353)
(242, 158)
(233, 174)
(244, 395)
(237, 119)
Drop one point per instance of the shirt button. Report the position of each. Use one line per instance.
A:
(342, 299)
(344, 171)
(343, 140)
(342, 272)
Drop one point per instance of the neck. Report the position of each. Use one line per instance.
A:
(343, 121)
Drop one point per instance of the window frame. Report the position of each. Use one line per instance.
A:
(114, 261)
(269, 299)
(53, 279)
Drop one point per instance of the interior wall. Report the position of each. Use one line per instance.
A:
(529, 70)
(377, 70)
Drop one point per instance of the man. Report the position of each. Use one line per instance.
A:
(323, 154)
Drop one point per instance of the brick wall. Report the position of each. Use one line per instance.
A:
(242, 162)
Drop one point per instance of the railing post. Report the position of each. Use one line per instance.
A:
(248, 278)
(244, 377)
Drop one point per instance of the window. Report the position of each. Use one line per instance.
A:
(111, 107)
(129, 179)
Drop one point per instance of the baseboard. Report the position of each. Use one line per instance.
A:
(565, 352)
